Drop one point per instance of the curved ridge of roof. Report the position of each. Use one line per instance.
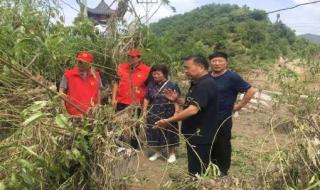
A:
(101, 9)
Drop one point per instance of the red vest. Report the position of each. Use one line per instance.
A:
(131, 89)
(81, 92)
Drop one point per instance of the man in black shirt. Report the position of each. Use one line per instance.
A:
(199, 117)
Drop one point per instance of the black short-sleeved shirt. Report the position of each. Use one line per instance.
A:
(229, 85)
(200, 128)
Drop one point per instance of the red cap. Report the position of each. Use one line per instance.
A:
(134, 52)
(85, 56)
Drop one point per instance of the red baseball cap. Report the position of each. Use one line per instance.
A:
(134, 52)
(85, 56)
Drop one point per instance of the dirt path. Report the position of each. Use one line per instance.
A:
(253, 148)
(254, 145)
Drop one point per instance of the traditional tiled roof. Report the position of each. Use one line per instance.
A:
(101, 9)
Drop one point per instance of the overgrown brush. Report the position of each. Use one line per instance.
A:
(41, 147)
(54, 152)
(297, 165)
(48, 150)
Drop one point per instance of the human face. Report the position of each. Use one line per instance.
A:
(158, 76)
(218, 64)
(192, 70)
(134, 60)
(83, 66)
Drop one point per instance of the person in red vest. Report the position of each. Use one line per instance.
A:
(130, 86)
(81, 85)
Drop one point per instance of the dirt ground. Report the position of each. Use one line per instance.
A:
(254, 145)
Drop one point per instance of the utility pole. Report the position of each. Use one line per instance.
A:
(83, 8)
(278, 18)
(148, 8)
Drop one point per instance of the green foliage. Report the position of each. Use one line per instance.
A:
(251, 39)
(44, 43)
(58, 152)
(298, 161)
(45, 149)
(48, 150)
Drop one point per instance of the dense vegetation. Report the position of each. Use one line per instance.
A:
(30, 35)
(41, 148)
(247, 35)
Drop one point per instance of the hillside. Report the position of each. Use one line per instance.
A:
(311, 37)
(247, 35)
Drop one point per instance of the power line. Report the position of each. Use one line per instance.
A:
(243, 16)
(293, 7)
(70, 6)
(147, 9)
(267, 13)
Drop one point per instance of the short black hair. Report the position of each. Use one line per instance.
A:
(199, 59)
(218, 54)
(160, 67)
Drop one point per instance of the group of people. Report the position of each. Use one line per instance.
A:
(205, 111)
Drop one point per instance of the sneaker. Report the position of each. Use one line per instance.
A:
(120, 149)
(154, 157)
(172, 158)
(129, 152)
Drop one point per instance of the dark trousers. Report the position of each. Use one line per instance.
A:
(133, 140)
(198, 158)
(219, 153)
(221, 149)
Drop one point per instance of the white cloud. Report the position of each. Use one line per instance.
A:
(304, 19)
(181, 6)
(312, 9)
(301, 1)
(69, 15)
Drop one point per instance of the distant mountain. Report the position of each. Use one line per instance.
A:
(311, 37)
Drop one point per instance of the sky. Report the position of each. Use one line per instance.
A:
(304, 19)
